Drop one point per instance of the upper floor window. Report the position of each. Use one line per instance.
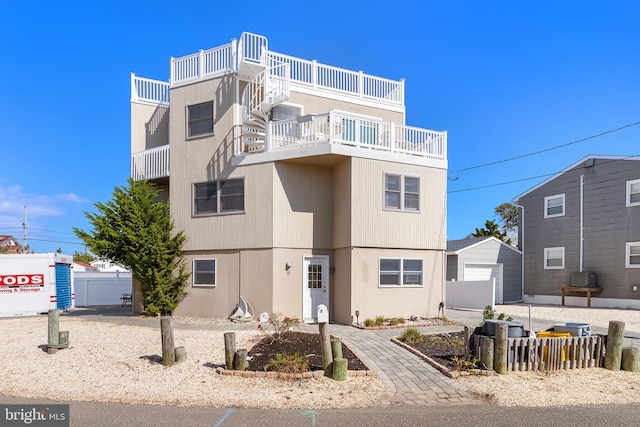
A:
(632, 255)
(401, 192)
(554, 206)
(221, 196)
(553, 258)
(204, 272)
(400, 272)
(633, 192)
(200, 119)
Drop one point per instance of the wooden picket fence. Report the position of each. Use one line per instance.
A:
(551, 354)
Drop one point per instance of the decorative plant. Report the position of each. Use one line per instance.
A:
(290, 363)
(461, 364)
(379, 320)
(279, 324)
(369, 323)
(411, 335)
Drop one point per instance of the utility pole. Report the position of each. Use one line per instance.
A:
(24, 228)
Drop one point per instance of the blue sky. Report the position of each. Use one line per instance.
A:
(504, 79)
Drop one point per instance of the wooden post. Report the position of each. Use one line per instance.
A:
(327, 357)
(181, 354)
(54, 326)
(486, 352)
(630, 360)
(467, 335)
(501, 350)
(229, 348)
(615, 341)
(168, 348)
(63, 337)
(240, 359)
(336, 348)
(340, 366)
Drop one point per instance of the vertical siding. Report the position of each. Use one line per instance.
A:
(303, 206)
(372, 300)
(149, 127)
(373, 226)
(207, 159)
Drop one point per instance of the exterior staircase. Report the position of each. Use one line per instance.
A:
(266, 89)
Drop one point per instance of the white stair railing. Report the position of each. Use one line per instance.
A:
(150, 164)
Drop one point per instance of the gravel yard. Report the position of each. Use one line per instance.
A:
(570, 387)
(114, 363)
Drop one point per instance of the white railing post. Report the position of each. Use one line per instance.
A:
(200, 64)
(444, 145)
(267, 136)
(392, 137)
(234, 55)
(172, 77)
(314, 73)
(134, 91)
(401, 92)
(360, 84)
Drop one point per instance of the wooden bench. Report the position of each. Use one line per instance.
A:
(126, 299)
(576, 289)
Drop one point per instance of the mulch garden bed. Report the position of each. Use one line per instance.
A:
(302, 342)
(442, 348)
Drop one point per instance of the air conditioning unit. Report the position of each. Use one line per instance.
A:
(584, 279)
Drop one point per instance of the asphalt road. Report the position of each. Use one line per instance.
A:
(115, 415)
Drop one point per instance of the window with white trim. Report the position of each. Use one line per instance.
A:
(633, 192)
(401, 192)
(204, 272)
(400, 272)
(223, 196)
(200, 119)
(632, 257)
(553, 258)
(554, 206)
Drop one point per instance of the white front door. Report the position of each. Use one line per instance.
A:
(315, 284)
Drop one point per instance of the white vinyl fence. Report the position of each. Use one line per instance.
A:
(472, 295)
(101, 288)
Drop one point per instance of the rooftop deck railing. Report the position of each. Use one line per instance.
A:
(149, 91)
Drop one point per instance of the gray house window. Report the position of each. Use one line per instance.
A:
(400, 272)
(633, 255)
(200, 119)
(401, 192)
(553, 258)
(223, 196)
(554, 206)
(204, 272)
(633, 192)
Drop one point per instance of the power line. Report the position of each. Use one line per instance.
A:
(460, 171)
(535, 177)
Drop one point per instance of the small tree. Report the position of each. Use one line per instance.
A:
(136, 231)
(508, 213)
(491, 229)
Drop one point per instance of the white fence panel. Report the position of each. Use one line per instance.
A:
(96, 288)
(471, 295)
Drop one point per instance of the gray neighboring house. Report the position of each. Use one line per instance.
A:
(483, 258)
(585, 218)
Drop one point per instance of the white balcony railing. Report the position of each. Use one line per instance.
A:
(150, 164)
(149, 91)
(357, 131)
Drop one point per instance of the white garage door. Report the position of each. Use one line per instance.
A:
(486, 272)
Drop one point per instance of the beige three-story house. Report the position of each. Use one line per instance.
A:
(297, 184)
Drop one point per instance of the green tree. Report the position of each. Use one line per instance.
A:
(491, 228)
(508, 213)
(84, 257)
(136, 231)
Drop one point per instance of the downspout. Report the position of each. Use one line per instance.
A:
(521, 242)
(581, 223)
